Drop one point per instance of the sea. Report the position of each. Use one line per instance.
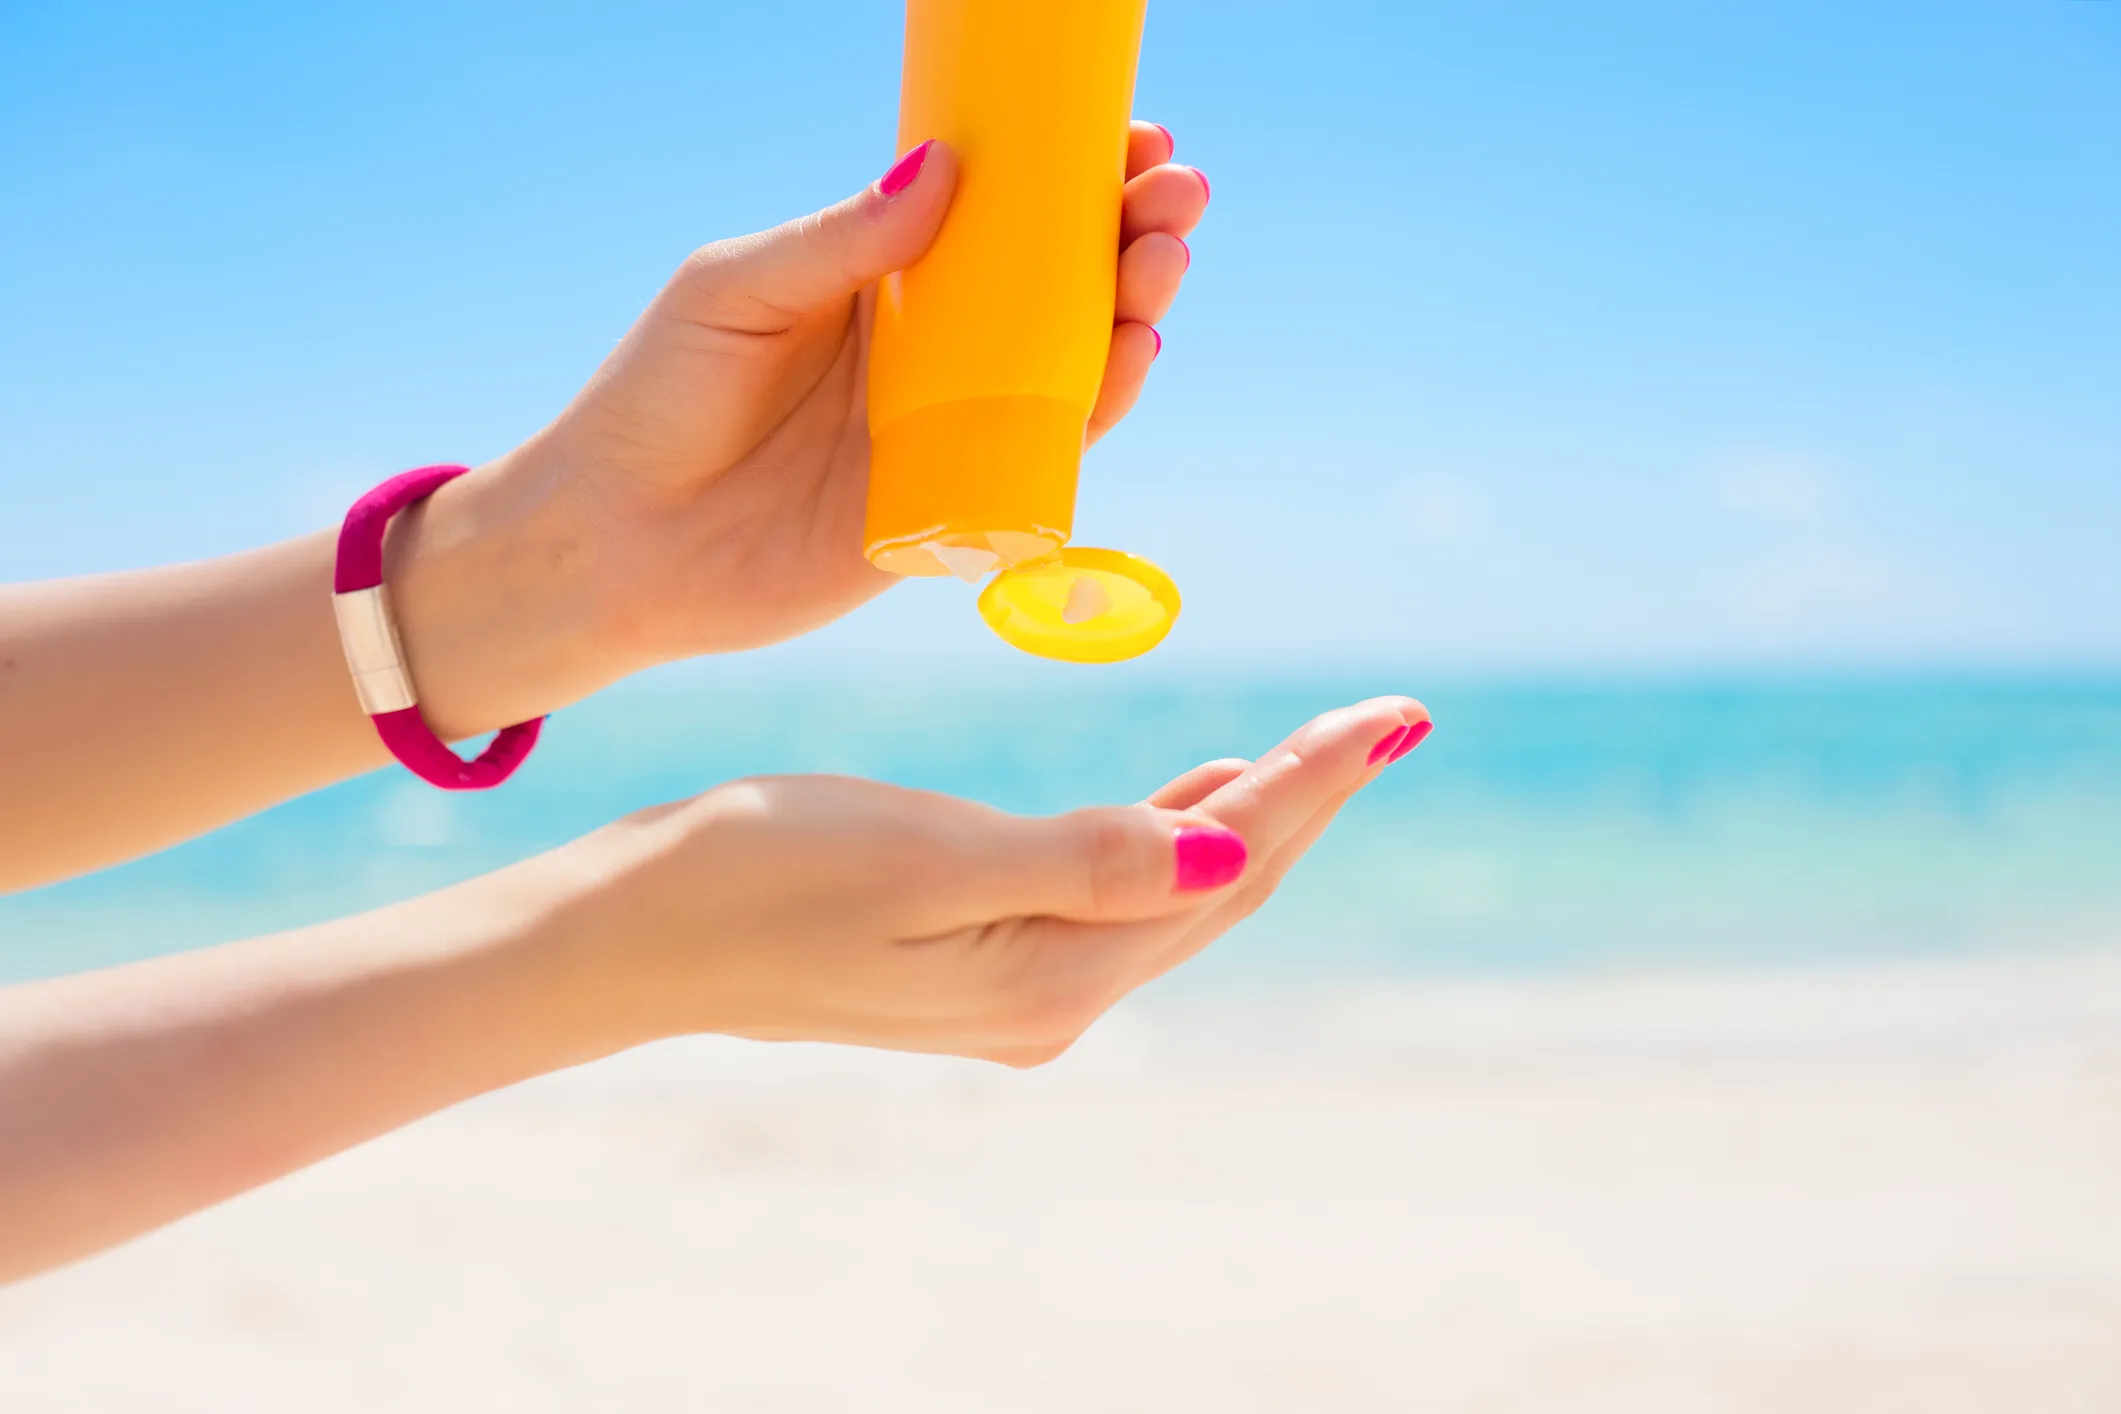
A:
(1545, 826)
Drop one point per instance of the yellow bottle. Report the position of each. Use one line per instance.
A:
(988, 351)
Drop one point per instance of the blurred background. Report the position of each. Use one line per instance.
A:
(1710, 412)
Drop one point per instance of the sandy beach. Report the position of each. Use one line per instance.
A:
(1881, 1188)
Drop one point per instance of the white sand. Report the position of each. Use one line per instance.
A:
(1879, 1190)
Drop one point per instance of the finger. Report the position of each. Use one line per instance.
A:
(1275, 868)
(1107, 865)
(1351, 745)
(1096, 965)
(1271, 864)
(1148, 145)
(1134, 348)
(1169, 198)
(1199, 783)
(1235, 905)
(1241, 903)
(1326, 757)
(1149, 274)
(769, 282)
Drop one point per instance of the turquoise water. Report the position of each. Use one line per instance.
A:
(1539, 828)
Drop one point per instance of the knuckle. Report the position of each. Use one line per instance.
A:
(1254, 895)
(707, 273)
(830, 236)
(719, 287)
(1113, 867)
(1248, 902)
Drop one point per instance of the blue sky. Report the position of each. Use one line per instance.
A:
(1538, 337)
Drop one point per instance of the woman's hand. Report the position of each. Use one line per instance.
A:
(795, 908)
(705, 491)
(826, 909)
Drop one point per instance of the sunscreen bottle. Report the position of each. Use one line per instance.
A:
(988, 350)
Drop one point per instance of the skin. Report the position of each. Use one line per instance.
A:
(702, 494)
(793, 908)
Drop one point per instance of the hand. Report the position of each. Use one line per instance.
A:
(805, 908)
(704, 493)
(827, 909)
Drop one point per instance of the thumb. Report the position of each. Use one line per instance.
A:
(766, 282)
(1105, 865)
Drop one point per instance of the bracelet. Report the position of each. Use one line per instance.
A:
(377, 660)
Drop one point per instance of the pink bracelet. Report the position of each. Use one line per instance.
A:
(374, 655)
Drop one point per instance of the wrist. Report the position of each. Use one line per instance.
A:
(654, 921)
(548, 977)
(600, 943)
(488, 583)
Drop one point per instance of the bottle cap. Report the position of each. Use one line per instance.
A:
(1082, 605)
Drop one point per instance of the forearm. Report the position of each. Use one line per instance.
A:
(140, 709)
(133, 1096)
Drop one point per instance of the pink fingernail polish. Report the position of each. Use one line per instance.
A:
(1159, 342)
(1414, 737)
(1169, 141)
(1207, 858)
(1387, 745)
(903, 171)
(1187, 249)
(1205, 190)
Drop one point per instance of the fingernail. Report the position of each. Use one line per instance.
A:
(1188, 250)
(1413, 738)
(1169, 141)
(1159, 342)
(1387, 744)
(903, 171)
(1205, 190)
(1207, 859)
